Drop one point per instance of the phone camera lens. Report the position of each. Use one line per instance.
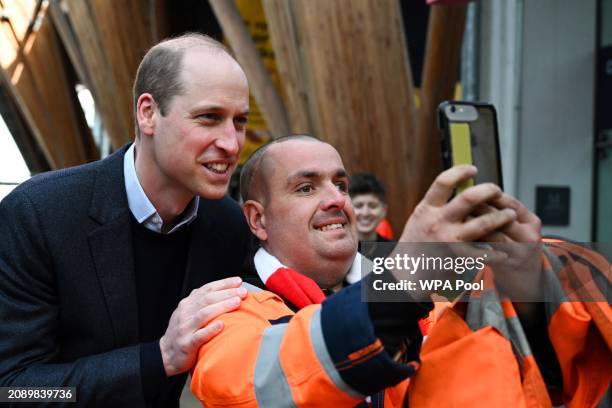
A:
(453, 109)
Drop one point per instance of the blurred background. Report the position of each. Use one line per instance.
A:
(365, 75)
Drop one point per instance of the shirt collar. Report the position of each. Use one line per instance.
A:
(141, 207)
(266, 264)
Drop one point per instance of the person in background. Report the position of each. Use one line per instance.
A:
(368, 196)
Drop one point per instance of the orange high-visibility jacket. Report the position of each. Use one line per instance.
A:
(477, 353)
(325, 355)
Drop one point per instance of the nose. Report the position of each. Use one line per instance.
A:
(363, 210)
(333, 199)
(229, 139)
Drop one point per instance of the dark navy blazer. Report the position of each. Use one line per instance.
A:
(68, 305)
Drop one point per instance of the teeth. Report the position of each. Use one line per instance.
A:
(330, 227)
(218, 167)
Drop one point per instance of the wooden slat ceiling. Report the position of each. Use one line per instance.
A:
(261, 85)
(36, 73)
(24, 139)
(113, 36)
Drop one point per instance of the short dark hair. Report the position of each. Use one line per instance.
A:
(251, 179)
(159, 72)
(367, 183)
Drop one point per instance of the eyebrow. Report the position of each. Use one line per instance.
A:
(310, 174)
(215, 108)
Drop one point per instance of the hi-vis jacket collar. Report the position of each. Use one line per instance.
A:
(292, 285)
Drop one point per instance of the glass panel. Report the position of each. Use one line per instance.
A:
(606, 23)
(603, 153)
(604, 187)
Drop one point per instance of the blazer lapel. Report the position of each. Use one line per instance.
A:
(111, 249)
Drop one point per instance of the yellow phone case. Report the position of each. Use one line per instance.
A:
(461, 149)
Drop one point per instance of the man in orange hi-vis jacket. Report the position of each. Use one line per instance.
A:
(289, 346)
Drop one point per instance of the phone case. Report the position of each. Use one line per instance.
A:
(461, 146)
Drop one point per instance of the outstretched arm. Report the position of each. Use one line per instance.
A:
(325, 355)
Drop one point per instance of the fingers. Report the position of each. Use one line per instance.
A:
(474, 251)
(214, 292)
(483, 225)
(507, 201)
(524, 215)
(206, 333)
(199, 329)
(211, 312)
(527, 232)
(201, 299)
(226, 283)
(497, 237)
(211, 300)
(189, 326)
(444, 185)
(470, 201)
(528, 226)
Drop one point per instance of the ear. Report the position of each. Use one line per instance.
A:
(146, 114)
(254, 213)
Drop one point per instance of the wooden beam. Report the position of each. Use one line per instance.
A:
(284, 37)
(15, 27)
(41, 81)
(22, 105)
(263, 89)
(113, 37)
(24, 138)
(62, 25)
(440, 76)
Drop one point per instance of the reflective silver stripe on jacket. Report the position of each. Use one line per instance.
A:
(318, 343)
(271, 386)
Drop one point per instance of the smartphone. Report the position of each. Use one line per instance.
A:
(470, 136)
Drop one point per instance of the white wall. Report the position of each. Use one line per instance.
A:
(500, 76)
(12, 166)
(5, 190)
(544, 91)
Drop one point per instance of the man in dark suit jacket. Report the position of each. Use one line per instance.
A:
(94, 260)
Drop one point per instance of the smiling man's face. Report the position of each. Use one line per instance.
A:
(308, 218)
(196, 145)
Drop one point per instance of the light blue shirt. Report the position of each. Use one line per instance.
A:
(141, 207)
